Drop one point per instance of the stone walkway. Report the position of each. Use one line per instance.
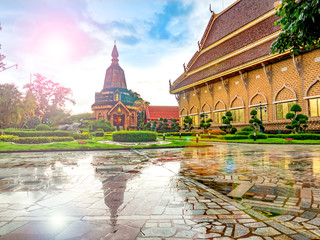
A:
(136, 195)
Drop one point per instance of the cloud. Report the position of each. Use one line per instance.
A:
(168, 24)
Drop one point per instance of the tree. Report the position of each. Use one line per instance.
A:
(204, 124)
(154, 125)
(297, 119)
(299, 24)
(50, 96)
(80, 116)
(163, 126)
(11, 107)
(226, 120)
(187, 124)
(140, 119)
(2, 65)
(147, 126)
(175, 126)
(255, 122)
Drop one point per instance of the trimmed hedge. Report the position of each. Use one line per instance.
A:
(244, 133)
(226, 137)
(39, 133)
(176, 134)
(81, 136)
(134, 136)
(38, 140)
(259, 136)
(303, 136)
(7, 138)
(234, 137)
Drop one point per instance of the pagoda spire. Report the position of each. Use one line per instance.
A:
(115, 53)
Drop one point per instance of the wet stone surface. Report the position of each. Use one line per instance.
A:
(162, 194)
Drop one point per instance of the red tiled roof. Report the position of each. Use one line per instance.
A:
(156, 112)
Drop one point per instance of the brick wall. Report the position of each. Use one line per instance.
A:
(284, 84)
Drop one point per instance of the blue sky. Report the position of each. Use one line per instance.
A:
(70, 42)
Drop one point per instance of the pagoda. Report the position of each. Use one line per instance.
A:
(115, 102)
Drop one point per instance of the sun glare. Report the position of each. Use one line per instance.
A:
(57, 48)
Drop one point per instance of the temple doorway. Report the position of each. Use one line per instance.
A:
(118, 122)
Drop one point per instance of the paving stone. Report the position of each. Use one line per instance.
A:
(282, 237)
(255, 225)
(299, 237)
(308, 214)
(315, 221)
(185, 234)
(217, 211)
(217, 229)
(7, 228)
(280, 227)
(240, 231)
(300, 219)
(284, 218)
(159, 232)
(228, 231)
(267, 231)
(252, 238)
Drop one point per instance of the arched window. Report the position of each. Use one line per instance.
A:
(219, 111)
(313, 97)
(284, 99)
(205, 109)
(258, 102)
(237, 109)
(183, 114)
(194, 115)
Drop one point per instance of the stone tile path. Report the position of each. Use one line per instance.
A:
(151, 194)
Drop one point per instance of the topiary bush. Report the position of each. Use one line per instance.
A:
(258, 136)
(134, 136)
(42, 127)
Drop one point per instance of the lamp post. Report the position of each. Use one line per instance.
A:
(265, 109)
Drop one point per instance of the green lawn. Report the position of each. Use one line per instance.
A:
(258, 141)
(91, 144)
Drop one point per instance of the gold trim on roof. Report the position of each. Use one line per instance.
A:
(232, 70)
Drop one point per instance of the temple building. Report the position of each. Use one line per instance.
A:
(235, 70)
(115, 102)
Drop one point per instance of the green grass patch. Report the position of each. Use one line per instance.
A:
(91, 144)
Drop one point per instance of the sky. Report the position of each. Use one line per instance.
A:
(70, 42)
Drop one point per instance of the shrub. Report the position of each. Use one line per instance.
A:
(99, 132)
(226, 137)
(38, 140)
(233, 130)
(217, 132)
(235, 137)
(42, 127)
(134, 136)
(39, 133)
(81, 136)
(258, 136)
(247, 129)
(243, 133)
(303, 136)
(7, 138)
(176, 134)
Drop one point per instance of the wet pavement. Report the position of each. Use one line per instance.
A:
(227, 191)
